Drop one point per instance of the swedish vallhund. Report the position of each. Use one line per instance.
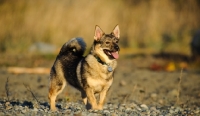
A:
(90, 74)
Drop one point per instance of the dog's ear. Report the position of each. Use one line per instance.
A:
(116, 31)
(98, 33)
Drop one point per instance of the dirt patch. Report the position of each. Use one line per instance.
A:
(131, 84)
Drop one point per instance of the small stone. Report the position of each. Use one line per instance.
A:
(154, 96)
(83, 113)
(35, 109)
(16, 107)
(196, 111)
(7, 103)
(153, 109)
(144, 107)
(106, 112)
(111, 108)
(122, 83)
(138, 108)
(123, 105)
(45, 110)
(91, 114)
(128, 110)
(171, 111)
(23, 111)
(115, 106)
(121, 108)
(8, 107)
(174, 93)
(105, 107)
(94, 111)
(160, 101)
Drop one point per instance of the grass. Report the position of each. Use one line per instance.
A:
(179, 88)
(7, 89)
(142, 23)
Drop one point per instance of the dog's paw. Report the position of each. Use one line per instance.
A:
(54, 109)
(97, 108)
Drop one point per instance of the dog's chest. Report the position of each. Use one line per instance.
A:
(99, 84)
(97, 75)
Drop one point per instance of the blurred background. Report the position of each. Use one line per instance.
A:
(36, 29)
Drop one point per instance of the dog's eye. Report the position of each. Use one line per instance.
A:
(107, 42)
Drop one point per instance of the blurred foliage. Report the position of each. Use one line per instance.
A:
(154, 25)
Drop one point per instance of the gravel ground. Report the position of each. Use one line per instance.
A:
(135, 92)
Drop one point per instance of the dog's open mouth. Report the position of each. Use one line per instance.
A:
(112, 54)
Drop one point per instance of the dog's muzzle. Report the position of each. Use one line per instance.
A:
(113, 54)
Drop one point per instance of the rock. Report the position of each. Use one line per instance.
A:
(8, 107)
(144, 107)
(160, 101)
(110, 109)
(138, 108)
(123, 105)
(128, 110)
(23, 111)
(122, 83)
(154, 96)
(132, 105)
(35, 109)
(174, 93)
(106, 112)
(83, 113)
(105, 107)
(121, 108)
(7, 103)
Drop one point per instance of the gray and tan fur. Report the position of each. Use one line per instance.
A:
(91, 74)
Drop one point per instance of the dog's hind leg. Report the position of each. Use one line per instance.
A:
(84, 97)
(56, 87)
(85, 100)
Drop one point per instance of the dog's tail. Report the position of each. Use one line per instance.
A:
(70, 55)
(74, 47)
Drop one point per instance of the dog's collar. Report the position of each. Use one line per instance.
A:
(103, 63)
(100, 61)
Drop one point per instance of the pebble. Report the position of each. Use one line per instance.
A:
(154, 96)
(109, 109)
(106, 112)
(144, 107)
(23, 111)
(122, 83)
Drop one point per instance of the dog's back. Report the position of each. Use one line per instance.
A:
(64, 68)
(67, 60)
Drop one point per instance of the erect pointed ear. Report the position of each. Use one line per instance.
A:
(116, 31)
(98, 33)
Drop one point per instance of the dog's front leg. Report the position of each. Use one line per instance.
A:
(91, 98)
(102, 98)
(103, 94)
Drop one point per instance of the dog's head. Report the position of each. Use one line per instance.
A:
(106, 45)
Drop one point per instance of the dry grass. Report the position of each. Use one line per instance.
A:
(179, 88)
(157, 24)
(7, 89)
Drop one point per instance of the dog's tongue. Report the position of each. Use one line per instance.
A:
(115, 55)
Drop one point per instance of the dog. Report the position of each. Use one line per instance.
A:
(92, 74)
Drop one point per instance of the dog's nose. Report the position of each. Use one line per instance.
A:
(116, 47)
